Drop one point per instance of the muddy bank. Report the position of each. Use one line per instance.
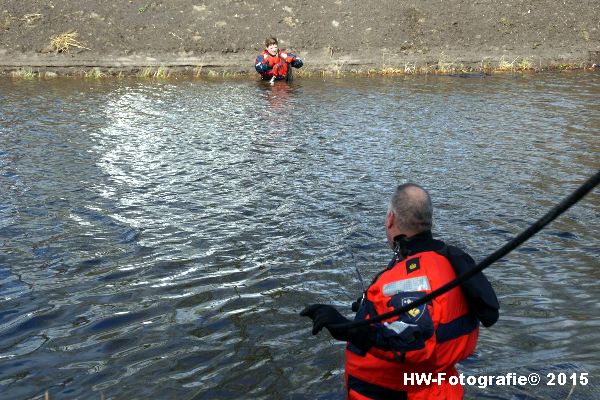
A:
(200, 36)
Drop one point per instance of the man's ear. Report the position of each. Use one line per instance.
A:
(389, 219)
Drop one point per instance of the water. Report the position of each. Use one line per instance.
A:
(158, 239)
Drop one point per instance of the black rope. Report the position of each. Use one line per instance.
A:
(560, 208)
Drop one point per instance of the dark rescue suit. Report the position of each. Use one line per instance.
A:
(431, 338)
(269, 66)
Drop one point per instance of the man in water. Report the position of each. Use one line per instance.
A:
(272, 64)
(388, 360)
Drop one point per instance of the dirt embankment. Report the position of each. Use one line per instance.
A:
(340, 35)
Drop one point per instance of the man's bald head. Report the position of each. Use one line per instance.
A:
(412, 208)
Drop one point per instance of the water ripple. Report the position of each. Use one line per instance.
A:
(159, 239)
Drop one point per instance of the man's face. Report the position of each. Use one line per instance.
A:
(272, 49)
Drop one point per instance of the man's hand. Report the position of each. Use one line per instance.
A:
(324, 316)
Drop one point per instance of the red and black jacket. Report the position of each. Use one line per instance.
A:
(269, 66)
(430, 338)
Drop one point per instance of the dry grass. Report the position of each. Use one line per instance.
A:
(444, 67)
(525, 65)
(211, 73)
(514, 66)
(303, 73)
(65, 41)
(146, 72)
(410, 69)
(94, 73)
(162, 73)
(149, 72)
(486, 67)
(24, 73)
(391, 71)
(504, 65)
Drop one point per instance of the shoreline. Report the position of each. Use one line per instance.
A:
(241, 65)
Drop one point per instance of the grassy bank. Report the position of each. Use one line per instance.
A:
(337, 70)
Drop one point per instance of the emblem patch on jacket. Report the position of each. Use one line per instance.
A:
(414, 313)
(412, 265)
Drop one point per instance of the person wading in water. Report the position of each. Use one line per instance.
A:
(273, 64)
(384, 359)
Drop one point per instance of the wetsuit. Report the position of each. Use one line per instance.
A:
(431, 338)
(269, 66)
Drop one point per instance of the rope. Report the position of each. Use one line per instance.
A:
(560, 208)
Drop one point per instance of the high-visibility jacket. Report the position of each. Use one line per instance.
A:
(431, 338)
(268, 66)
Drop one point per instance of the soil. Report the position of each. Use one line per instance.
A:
(338, 35)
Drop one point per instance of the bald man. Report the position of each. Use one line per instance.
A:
(388, 360)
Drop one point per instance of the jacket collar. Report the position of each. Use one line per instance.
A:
(407, 246)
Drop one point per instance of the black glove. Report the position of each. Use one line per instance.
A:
(325, 316)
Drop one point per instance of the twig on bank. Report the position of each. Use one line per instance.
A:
(178, 37)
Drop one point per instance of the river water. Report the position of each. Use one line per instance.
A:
(158, 239)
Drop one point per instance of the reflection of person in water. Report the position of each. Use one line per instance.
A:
(272, 63)
(279, 96)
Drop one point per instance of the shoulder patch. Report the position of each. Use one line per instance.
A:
(412, 265)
